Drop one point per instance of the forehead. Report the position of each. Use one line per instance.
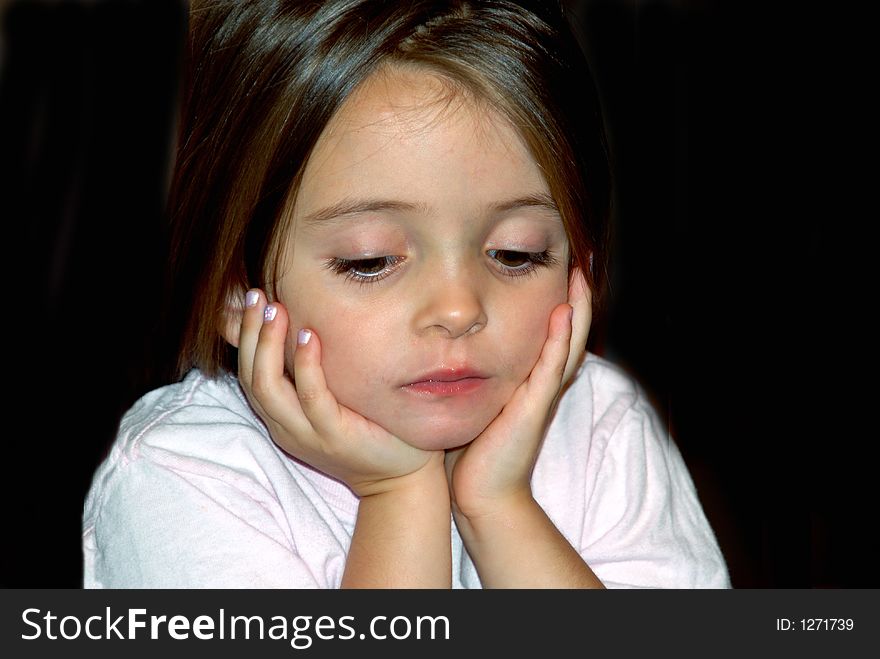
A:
(414, 135)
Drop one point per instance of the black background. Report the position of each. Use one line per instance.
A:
(732, 300)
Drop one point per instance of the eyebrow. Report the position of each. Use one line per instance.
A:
(349, 207)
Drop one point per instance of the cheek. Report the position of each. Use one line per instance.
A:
(351, 355)
(524, 325)
(357, 351)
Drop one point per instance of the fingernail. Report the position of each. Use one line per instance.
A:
(303, 337)
(269, 313)
(251, 298)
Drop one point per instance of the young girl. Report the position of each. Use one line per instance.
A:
(389, 236)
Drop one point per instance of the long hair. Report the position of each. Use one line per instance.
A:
(264, 77)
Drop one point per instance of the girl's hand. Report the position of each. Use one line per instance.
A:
(494, 470)
(306, 420)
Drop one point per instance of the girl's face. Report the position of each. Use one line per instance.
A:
(427, 254)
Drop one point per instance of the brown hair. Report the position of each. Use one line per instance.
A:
(263, 79)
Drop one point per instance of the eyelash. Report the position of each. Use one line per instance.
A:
(533, 261)
(348, 268)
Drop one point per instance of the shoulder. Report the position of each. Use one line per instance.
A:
(604, 374)
(600, 396)
(196, 417)
(606, 417)
(602, 417)
(195, 487)
(196, 430)
(629, 503)
(194, 401)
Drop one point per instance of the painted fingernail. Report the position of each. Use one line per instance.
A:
(251, 299)
(303, 337)
(269, 313)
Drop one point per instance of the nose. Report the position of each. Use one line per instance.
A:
(451, 304)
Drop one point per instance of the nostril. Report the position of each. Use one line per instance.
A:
(476, 327)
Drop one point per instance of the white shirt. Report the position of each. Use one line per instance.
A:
(195, 494)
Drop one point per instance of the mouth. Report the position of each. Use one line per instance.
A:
(447, 382)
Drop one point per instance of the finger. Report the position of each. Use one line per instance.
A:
(317, 402)
(251, 323)
(270, 386)
(526, 413)
(581, 301)
(546, 377)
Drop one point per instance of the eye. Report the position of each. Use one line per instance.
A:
(515, 263)
(365, 270)
(510, 258)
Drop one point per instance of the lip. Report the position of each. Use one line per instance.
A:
(447, 382)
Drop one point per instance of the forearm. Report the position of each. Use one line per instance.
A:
(402, 536)
(520, 547)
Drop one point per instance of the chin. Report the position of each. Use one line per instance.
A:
(442, 434)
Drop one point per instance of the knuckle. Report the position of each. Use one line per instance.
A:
(307, 395)
(260, 385)
(557, 373)
(558, 369)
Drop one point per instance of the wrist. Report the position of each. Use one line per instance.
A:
(516, 545)
(430, 478)
(507, 510)
(402, 534)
